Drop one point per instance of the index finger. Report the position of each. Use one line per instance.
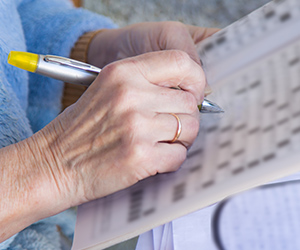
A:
(199, 33)
(172, 68)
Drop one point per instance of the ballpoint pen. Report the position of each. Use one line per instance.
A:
(72, 71)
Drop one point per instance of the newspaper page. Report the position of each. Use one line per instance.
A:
(253, 67)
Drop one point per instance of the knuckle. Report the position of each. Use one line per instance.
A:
(115, 71)
(118, 75)
(178, 24)
(175, 26)
(181, 59)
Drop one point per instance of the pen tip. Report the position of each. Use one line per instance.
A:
(210, 107)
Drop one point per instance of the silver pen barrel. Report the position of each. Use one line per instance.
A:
(69, 70)
(73, 71)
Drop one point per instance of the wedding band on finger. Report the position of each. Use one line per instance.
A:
(179, 128)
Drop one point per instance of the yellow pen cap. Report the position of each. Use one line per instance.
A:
(23, 60)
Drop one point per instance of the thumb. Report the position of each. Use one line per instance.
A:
(172, 69)
(199, 33)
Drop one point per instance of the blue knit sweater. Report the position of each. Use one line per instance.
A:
(28, 101)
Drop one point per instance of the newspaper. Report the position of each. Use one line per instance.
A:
(253, 67)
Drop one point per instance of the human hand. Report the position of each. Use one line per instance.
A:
(114, 44)
(119, 131)
(116, 134)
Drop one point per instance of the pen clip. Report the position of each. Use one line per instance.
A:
(71, 63)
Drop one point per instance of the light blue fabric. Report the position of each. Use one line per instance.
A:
(52, 27)
(28, 102)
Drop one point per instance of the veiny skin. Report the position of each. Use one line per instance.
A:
(117, 133)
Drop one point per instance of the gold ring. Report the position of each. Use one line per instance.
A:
(179, 128)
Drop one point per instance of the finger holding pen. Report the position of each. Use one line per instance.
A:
(109, 45)
(121, 130)
(76, 72)
(129, 125)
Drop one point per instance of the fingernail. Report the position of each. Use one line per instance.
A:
(207, 90)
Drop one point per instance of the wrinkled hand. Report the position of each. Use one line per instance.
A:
(115, 44)
(136, 39)
(119, 131)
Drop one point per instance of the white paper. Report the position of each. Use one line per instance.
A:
(264, 218)
(145, 241)
(255, 78)
(193, 231)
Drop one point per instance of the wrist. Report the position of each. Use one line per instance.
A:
(44, 164)
(43, 169)
(57, 176)
(28, 188)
